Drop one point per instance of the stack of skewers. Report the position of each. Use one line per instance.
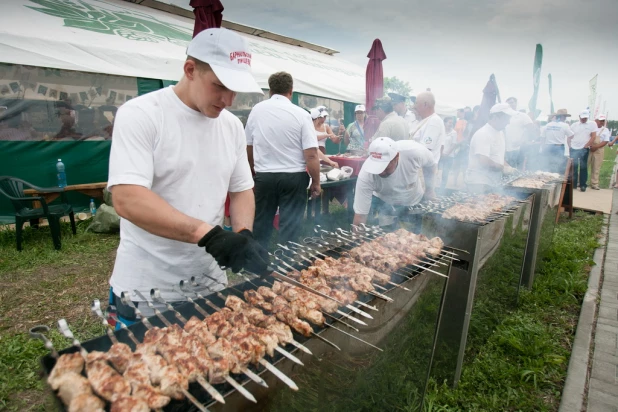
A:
(241, 340)
(464, 207)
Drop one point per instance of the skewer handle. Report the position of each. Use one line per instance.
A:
(37, 332)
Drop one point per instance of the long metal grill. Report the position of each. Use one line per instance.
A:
(180, 340)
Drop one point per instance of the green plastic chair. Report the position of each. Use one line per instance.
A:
(13, 188)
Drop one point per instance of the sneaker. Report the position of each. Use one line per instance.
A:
(595, 188)
(583, 189)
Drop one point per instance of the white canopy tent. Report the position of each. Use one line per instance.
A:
(125, 39)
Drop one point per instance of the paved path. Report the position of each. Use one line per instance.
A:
(603, 384)
(592, 380)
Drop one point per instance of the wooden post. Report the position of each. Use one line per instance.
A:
(566, 194)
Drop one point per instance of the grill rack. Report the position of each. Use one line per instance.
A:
(187, 310)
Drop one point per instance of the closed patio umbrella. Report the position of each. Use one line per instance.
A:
(374, 86)
(207, 14)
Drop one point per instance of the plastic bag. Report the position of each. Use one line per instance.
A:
(105, 221)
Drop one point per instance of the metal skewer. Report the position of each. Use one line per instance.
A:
(344, 315)
(96, 309)
(312, 332)
(185, 284)
(248, 395)
(155, 294)
(124, 297)
(38, 332)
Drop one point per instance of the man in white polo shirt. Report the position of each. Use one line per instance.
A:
(487, 149)
(584, 133)
(282, 146)
(175, 156)
(554, 137)
(518, 132)
(597, 151)
(430, 129)
(391, 175)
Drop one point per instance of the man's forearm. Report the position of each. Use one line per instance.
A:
(149, 211)
(591, 141)
(242, 210)
(429, 176)
(250, 158)
(487, 162)
(313, 163)
(359, 219)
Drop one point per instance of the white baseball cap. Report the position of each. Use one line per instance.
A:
(360, 108)
(601, 117)
(229, 56)
(381, 151)
(502, 108)
(315, 113)
(584, 114)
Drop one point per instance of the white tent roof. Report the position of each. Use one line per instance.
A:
(121, 38)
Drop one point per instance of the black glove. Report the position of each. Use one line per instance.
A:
(235, 250)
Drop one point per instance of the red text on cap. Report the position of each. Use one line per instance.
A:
(241, 57)
(376, 155)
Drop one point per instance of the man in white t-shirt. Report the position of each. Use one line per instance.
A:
(517, 133)
(584, 133)
(175, 156)
(554, 137)
(391, 174)
(487, 150)
(391, 125)
(283, 147)
(597, 151)
(399, 106)
(430, 130)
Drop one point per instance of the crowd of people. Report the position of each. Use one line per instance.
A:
(177, 154)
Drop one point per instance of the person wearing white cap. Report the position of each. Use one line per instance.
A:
(355, 132)
(554, 137)
(430, 129)
(322, 130)
(597, 151)
(175, 155)
(391, 174)
(283, 151)
(584, 133)
(487, 150)
(518, 133)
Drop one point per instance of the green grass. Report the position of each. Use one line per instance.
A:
(522, 365)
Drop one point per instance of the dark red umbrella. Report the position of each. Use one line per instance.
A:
(490, 93)
(374, 86)
(207, 14)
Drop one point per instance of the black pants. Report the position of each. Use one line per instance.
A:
(288, 191)
(580, 160)
(553, 158)
(447, 164)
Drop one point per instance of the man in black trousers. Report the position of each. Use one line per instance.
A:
(282, 148)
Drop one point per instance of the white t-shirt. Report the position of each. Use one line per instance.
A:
(581, 133)
(410, 119)
(279, 131)
(450, 141)
(488, 142)
(432, 134)
(403, 187)
(323, 132)
(515, 131)
(556, 133)
(604, 134)
(189, 160)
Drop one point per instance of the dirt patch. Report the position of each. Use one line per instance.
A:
(53, 292)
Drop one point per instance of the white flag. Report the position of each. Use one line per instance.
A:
(592, 97)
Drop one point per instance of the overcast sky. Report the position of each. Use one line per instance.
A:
(453, 46)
